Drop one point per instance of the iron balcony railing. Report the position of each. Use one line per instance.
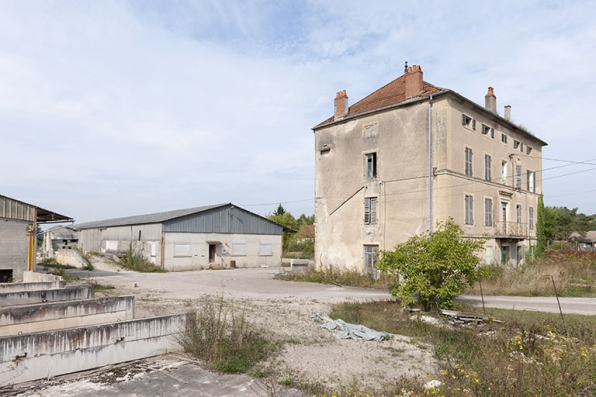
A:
(511, 229)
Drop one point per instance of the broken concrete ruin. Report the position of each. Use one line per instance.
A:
(49, 329)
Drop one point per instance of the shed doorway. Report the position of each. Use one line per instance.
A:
(211, 253)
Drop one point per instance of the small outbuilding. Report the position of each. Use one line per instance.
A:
(18, 228)
(222, 235)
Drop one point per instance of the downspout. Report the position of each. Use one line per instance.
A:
(430, 167)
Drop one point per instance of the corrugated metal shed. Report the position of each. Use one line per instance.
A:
(15, 209)
(220, 218)
(227, 219)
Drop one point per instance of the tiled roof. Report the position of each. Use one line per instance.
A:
(391, 94)
(146, 219)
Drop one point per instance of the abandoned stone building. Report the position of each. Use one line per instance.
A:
(18, 227)
(189, 239)
(411, 154)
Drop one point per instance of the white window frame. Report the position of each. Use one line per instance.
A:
(518, 210)
(531, 181)
(371, 165)
(531, 218)
(370, 258)
(504, 171)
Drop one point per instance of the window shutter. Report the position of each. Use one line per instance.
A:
(373, 211)
(367, 211)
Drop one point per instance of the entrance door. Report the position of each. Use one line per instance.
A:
(504, 255)
(370, 257)
(211, 253)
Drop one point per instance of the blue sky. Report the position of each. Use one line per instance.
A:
(116, 108)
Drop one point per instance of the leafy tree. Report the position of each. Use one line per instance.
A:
(434, 269)
(540, 229)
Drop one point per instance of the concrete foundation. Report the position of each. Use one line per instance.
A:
(46, 354)
(69, 293)
(60, 315)
(35, 277)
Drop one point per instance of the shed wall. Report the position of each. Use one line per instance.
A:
(14, 246)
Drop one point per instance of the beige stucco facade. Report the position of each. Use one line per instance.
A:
(380, 161)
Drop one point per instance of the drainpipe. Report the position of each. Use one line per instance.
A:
(430, 167)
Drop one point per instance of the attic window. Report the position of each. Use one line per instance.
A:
(515, 143)
(487, 130)
(528, 150)
(467, 121)
(521, 147)
(503, 138)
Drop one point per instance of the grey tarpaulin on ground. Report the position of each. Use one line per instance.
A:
(347, 330)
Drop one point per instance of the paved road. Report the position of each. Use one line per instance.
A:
(586, 306)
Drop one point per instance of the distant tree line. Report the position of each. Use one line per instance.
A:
(560, 222)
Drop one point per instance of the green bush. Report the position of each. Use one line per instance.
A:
(435, 268)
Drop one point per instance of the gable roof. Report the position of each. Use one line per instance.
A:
(157, 217)
(391, 94)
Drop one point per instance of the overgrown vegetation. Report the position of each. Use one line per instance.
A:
(574, 274)
(434, 268)
(218, 333)
(300, 242)
(136, 261)
(528, 354)
(331, 275)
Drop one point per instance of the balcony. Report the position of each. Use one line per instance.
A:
(511, 229)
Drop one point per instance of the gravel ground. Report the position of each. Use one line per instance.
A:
(284, 309)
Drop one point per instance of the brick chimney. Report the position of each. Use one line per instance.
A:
(490, 100)
(340, 105)
(413, 81)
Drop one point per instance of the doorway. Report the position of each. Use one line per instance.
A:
(211, 253)
(504, 255)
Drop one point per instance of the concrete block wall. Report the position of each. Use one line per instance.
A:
(71, 257)
(46, 354)
(38, 286)
(14, 247)
(69, 314)
(69, 293)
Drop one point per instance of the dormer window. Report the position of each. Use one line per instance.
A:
(467, 121)
(487, 130)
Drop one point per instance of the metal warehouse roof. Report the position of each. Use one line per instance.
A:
(157, 217)
(161, 217)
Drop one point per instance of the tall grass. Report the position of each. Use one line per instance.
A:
(218, 333)
(527, 354)
(574, 275)
(136, 261)
(332, 275)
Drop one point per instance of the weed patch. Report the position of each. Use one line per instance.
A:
(218, 333)
(331, 275)
(134, 260)
(525, 354)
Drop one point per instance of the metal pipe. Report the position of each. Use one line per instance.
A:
(430, 167)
